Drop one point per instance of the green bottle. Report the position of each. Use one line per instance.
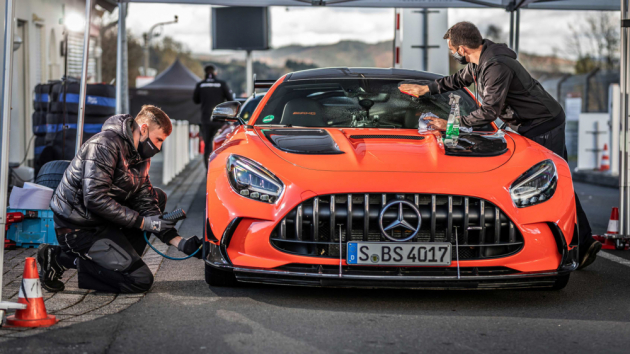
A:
(452, 126)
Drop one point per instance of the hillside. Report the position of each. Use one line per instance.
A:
(344, 53)
(276, 62)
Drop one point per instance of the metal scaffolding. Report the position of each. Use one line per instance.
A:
(7, 77)
(624, 196)
(84, 72)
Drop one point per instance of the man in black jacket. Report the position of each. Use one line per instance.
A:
(210, 92)
(104, 203)
(507, 91)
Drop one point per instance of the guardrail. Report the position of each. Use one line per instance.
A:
(179, 149)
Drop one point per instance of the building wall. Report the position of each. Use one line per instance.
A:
(41, 22)
(39, 19)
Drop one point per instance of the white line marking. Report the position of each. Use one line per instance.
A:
(612, 257)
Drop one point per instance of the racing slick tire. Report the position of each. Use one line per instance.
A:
(561, 282)
(216, 277)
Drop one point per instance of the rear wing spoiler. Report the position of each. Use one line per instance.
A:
(266, 84)
(263, 84)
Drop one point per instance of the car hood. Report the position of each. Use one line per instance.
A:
(379, 150)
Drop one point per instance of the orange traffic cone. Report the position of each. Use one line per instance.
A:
(613, 223)
(35, 314)
(605, 165)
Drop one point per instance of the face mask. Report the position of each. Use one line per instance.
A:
(460, 58)
(147, 149)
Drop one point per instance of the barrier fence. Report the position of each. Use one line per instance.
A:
(179, 149)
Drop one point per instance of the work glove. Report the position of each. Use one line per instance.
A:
(156, 224)
(190, 245)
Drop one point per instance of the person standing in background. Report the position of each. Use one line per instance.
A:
(209, 93)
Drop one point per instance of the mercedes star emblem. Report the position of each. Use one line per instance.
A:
(400, 220)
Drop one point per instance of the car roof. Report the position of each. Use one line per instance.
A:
(368, 73)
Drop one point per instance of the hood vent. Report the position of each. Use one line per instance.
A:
(303, 141)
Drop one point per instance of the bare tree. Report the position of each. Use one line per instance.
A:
(495, 33)
(604, 37)
(594, 42)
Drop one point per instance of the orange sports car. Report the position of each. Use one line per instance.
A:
(335, 182)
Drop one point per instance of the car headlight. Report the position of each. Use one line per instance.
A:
(249, 179)
(536, 185)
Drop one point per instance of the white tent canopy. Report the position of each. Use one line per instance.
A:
(611, 5)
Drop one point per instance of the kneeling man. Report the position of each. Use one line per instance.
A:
(104, 203)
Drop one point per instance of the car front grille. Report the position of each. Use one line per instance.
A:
(320, 225)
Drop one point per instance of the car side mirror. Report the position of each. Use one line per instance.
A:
(227, 112)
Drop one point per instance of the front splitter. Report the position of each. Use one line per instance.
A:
(511, 281)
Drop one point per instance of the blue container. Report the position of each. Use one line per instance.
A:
(37, 228)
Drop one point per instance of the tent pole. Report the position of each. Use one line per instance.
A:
(84, 73)
(624, 210)
(122, 92)
(517, 28)
(7, 80)
(512, 30)
(425, 37)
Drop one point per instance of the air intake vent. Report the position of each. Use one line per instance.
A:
(398, 137)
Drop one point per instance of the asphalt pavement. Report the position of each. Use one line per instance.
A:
(182, 314)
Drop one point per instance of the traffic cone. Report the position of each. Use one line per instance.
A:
(613, 222)
(605, 165)
(610, 240)
(35, 314)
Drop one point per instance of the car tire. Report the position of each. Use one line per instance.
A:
(561, 282)
(51, 173)
(221, 278)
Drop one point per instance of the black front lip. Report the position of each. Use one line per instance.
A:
(511, 281)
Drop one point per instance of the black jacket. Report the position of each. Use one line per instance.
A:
(507, 91)
(107, 182)
(210, 92)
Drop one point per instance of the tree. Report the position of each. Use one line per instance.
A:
(134, 55)
(495, 34)
(163, 54)
(295, 65)
(595, 42)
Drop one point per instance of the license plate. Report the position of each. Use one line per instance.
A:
(400, 254)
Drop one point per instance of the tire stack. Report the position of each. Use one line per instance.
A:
(62, 129)
(40, 106)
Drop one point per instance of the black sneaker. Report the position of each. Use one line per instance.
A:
(588, 257)
(49, 270)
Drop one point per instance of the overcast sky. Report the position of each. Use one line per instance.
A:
(541, 31)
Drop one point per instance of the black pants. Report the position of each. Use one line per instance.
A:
(108, 258)
(207, 133)
(554, 140)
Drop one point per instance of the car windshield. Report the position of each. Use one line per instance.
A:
(356, 103)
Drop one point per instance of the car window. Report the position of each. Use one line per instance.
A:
(355, 103)
(249, 106)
